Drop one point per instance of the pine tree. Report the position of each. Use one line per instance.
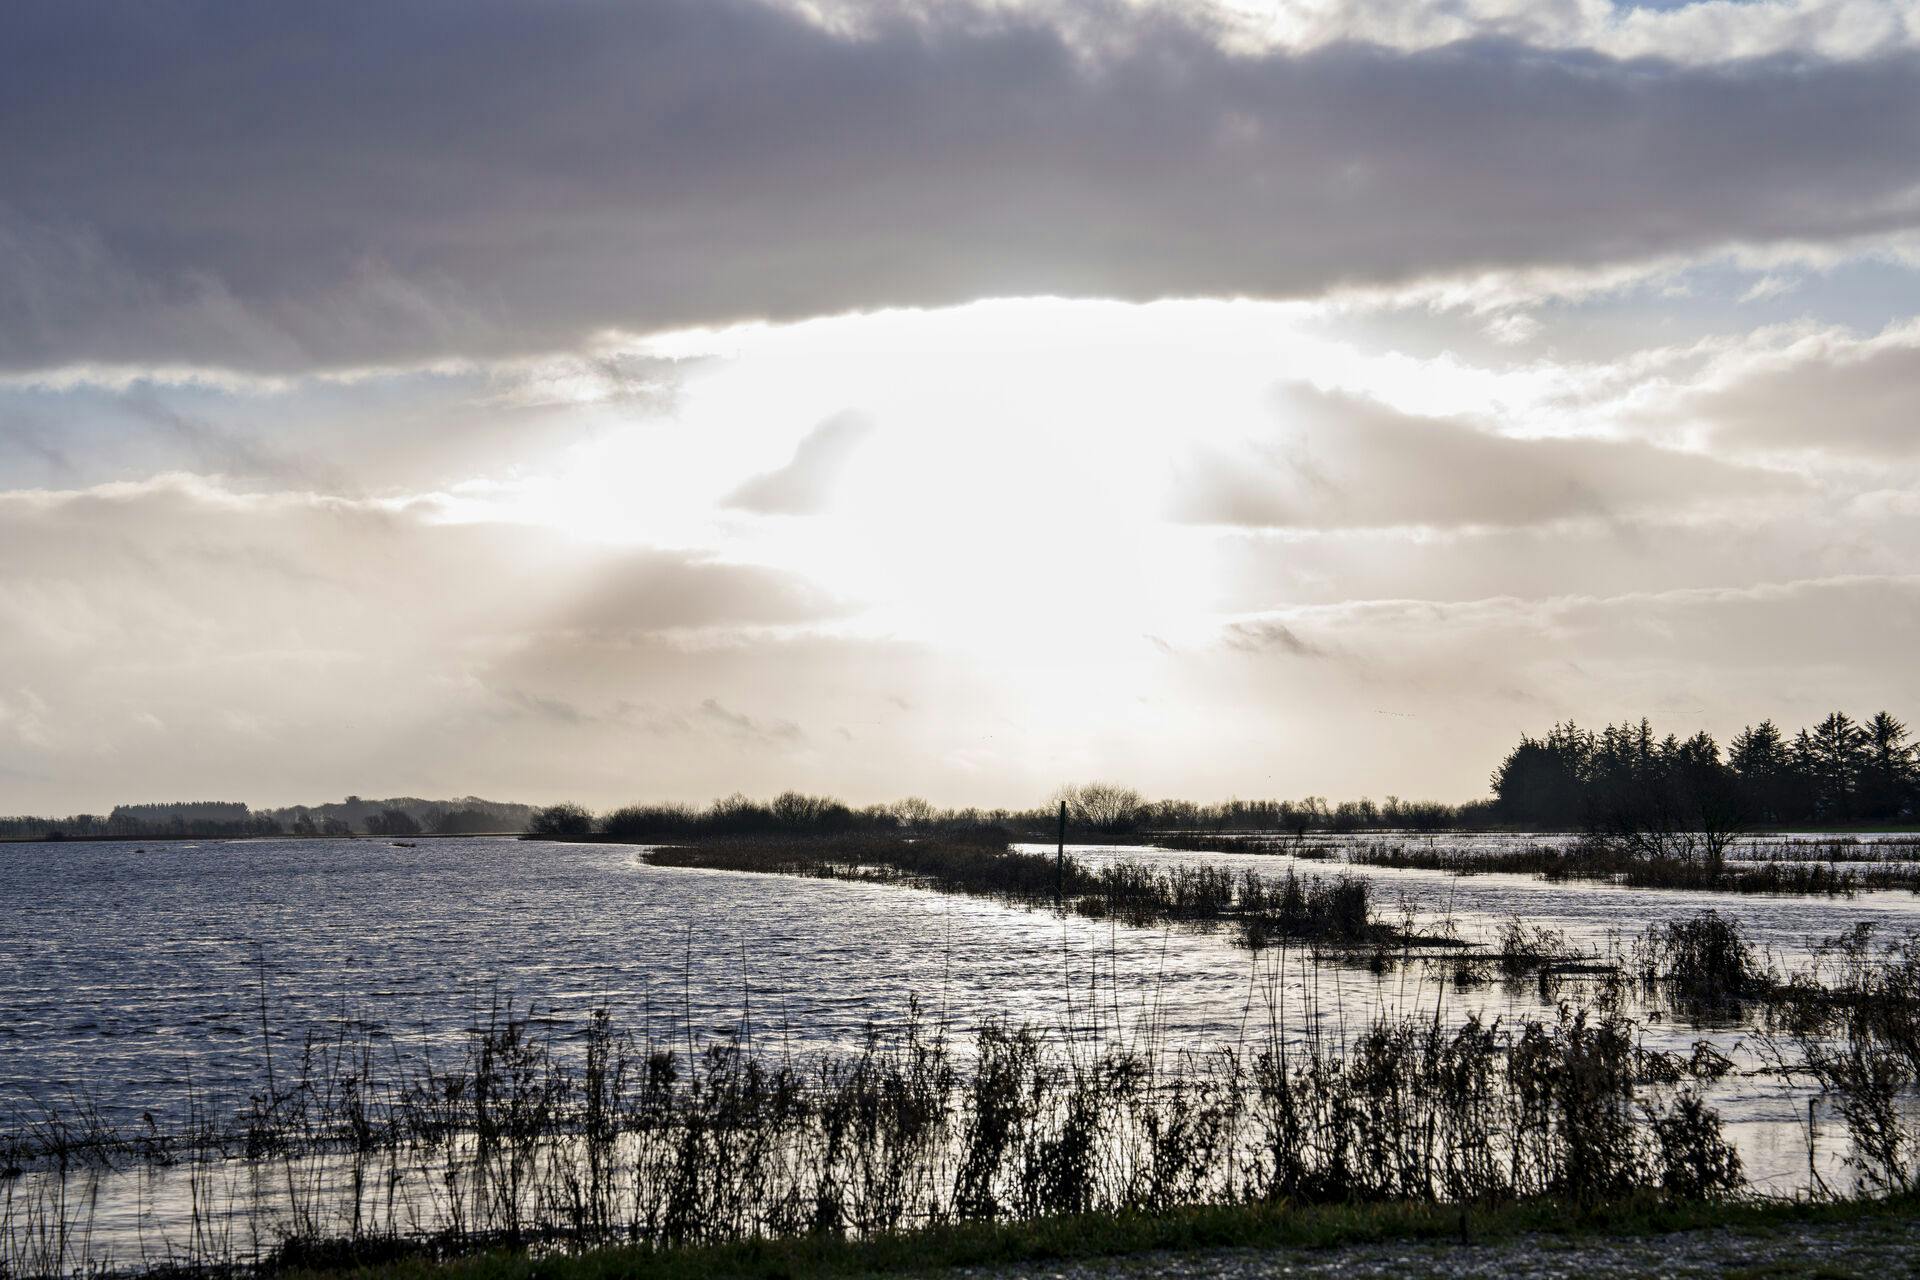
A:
(1887, 768)
(1836, 755)
(1761, 759)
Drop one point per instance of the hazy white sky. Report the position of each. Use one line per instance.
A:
(616, 401)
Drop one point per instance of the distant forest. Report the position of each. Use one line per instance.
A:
(215, 819)
(1624, 781)
(1841, 772)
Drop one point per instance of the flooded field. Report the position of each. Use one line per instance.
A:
(149, 986)
(1594, 916)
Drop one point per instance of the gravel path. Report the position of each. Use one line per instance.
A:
(1881, 1249)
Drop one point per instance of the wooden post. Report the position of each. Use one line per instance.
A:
(1060, 858)
(1813, 1170)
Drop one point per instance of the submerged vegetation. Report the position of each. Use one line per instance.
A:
(1266, 909)
(1802, 870)
(1853, 1026)
(533, 1134)
(1704, 957)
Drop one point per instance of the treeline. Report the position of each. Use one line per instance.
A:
(1107, 809)
(217, 820)
(1840, 772)
(208, 819)
(1649, 793)
(791, 813)
(1101, 809)
(406, 816)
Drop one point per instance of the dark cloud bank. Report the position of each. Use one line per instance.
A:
(284, 186)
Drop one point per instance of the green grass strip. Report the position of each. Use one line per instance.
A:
(1108, 1235)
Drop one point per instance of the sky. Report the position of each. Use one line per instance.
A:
(616, 401)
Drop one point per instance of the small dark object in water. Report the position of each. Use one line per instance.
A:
(403, 844)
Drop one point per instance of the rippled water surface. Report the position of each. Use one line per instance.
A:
(129, 974)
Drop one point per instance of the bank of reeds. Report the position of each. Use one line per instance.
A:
(1837, 848)
(568, 1138)
(528, 1132)
(1704, 958)
(1852, 1024)
(1264, 909)
(1600, 860)
(1292, 846)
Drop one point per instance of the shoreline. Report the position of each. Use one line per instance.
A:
(1032, 837)
(1248, 1239)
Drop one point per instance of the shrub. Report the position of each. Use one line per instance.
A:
(559, 821)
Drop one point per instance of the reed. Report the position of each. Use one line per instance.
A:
(1265, 909)
(1291, 846)
(1603, 861)
(569, 1137)
(1852, 1024)
(533, 1134)
(1703, 958)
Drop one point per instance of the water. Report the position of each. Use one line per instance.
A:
(1592, 916)
(133, 976)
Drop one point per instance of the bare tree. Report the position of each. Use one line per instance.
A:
(914, 812)
(1105, 807)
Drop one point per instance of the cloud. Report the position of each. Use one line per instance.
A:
(649, 591)
(291, 186)
(1342, 462)
(1513, 328)
(1802, 537)
(709, 718)
(285, 633)
(1769, 286)
(1828, 393)
(176, 637)
(355, 431)
(1699, 31)
(805, 485)
(1811, 628)
(162, 553)
(777, 732)
(1266, 636)
(1713, 657)
(544, 708)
